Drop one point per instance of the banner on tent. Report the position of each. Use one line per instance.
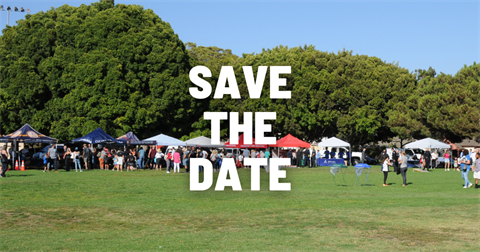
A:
(329, 162)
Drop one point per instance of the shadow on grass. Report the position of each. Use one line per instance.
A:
(19, 175)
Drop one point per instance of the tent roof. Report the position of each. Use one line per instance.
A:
(27, 134)
(133, 139)
(165, 140)
(291, 141)
(203, 142)
(427, 143)
(98, 136)
(333, 142)
(242, 145)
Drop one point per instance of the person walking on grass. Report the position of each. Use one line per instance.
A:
(386, 163)
(403, 162)
(466, 162)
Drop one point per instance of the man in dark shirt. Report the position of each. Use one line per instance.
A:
(428, 157)
(306, 152)
(327, 153)
(395, 161)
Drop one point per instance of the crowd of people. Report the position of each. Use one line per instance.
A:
(153, 158)
(464, 163)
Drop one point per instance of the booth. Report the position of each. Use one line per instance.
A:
(131, 138)
(28, 135)
(333, 142)
(98, 136)
(165, 140)
(202, 141)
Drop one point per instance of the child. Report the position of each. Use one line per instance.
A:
(386, 163)
(115, 163)
(45, 162)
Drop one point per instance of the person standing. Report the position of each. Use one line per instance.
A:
(52, 153)
(476, 171)
(153, 152)
(326, 153)
(186, 153)
(102, 159)
(45, 163)
(91, 161)
(168, 159)
(397, 153)
(5, 156)
(158, 159)
(446, 156)
(466, 162)
(317, 157)
(403, 161)
(267, 156)
(434, 159)
(386, 163)
(364, 156)
(141, 157)
(76, 160)
(306, 152)
(68, 159)
(332, 153)
(427, 158)
(86, 155)
(176, 162)
(395, 161)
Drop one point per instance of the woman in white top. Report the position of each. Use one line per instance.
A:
(76, 160)
(158, 159)
(119, 165)
(386, 163)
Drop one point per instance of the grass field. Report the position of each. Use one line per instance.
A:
(154, 211)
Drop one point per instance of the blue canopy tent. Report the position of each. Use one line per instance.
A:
(165, 140)
(26, 134)
(98, 136)
(131, 138)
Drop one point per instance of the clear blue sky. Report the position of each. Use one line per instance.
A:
(416, 34)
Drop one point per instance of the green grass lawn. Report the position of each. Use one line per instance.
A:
(154, 211)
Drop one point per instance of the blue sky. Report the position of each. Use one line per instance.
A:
(416, 34)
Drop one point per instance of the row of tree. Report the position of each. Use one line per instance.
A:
(120, 67)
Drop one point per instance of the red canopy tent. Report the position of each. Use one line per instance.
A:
(291, 141)
(241, 144)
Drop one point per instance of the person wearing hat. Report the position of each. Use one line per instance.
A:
(76, 160)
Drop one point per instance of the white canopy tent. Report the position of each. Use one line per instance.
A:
(335, 142)
(427, 143)
(203, 142)
(166, 140)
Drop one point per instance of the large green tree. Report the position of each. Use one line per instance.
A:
(332, 94)
(69, 70)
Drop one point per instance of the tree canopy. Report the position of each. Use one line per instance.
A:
(69, 70)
